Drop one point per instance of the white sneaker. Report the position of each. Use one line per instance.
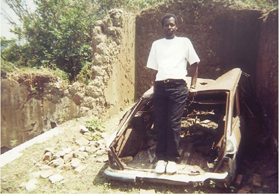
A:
(160, 168)
(171, 167)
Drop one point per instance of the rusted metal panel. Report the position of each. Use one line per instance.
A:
(227, 81)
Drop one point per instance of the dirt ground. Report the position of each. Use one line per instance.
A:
(15, 175)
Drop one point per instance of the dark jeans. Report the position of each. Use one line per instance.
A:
(169, 102)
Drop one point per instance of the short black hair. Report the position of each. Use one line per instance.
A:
(168, 15)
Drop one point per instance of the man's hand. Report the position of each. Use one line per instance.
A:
(193, 91)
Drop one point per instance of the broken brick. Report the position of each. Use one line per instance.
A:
(257, 181)
(245, 189)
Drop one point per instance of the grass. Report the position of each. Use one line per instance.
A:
(16, 174)
(9, 68)
(262, 5)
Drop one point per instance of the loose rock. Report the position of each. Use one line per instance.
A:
(57, 162)
(238, 180)
(80, 168)
(55, 178)
(245, 189)
(45, 167)
(47, 174)
(31, 185)
(48, 156)
(75, 162)
(82, 141)
(84, 129)
(257, 181)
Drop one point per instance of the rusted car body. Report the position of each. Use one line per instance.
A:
(210, 136)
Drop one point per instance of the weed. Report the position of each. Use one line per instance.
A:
(13, 142)
(62, 115)
(96, 136)
(232, 189)
(212, 184)
(95, 125)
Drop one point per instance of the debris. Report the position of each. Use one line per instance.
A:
(127, 159)
(83, 130)
(101, 160)
(55, 156)
(81, 155)
(238, 180)
(245, 189)
(45, 167)
(151, 158)
(90, 150)
(31, 185)
(101, 152)
(152, 191)
(210, 165)
(59, 162)
(66, 150)
(47, 173)
(75, 162)
(55, 178)
(82, 149)
(82, 141)
(48, 156)
(67, 157)
(257, 181)
(49, 150)
(80, 168)
(271, 173)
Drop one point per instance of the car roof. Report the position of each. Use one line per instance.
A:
(227, 81)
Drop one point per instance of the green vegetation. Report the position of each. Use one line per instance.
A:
(57, 35)
(264, 5)
(95, 125)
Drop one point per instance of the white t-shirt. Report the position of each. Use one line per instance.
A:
(170, 56)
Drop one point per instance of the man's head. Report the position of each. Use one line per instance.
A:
(167, 16)
(169, 25)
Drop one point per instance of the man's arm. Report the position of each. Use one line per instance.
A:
(194, 75)
(154, 73)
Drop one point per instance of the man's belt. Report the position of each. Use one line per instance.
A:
(171, 81)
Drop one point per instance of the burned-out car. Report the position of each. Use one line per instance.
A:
(210, 136)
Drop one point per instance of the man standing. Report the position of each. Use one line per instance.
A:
(169, 57)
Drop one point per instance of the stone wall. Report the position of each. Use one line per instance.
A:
(225, 36)
(113, 70)
(267, 72)
(32, 103)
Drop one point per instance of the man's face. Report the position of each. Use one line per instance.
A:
(169, 27)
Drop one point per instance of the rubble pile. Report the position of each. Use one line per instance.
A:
(71, 158)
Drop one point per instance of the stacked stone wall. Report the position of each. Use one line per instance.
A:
(32, 103)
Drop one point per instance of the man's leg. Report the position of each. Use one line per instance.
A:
(177, 103)
(161, 112)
